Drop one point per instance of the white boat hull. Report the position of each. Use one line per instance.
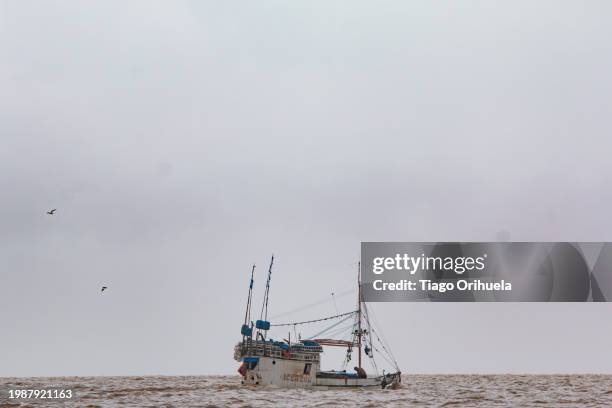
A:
(289, 373)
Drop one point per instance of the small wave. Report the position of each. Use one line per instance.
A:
(449, 403)
(423, 390)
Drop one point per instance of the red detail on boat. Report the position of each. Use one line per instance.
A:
(243, 369)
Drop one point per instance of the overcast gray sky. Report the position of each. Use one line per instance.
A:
(183, 141)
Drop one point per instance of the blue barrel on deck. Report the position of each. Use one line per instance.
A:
(246, 330)
(262, 325)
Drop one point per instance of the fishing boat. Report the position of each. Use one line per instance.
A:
(297, 364)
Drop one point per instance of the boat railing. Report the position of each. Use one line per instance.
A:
(277, 350)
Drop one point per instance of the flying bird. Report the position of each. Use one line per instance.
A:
(103, 288)
(51, 212)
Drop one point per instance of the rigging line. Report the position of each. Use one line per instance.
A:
(368, 324)
(368, 342)
(343, 329)
(373, 364)
(385, 348)
(371, 329)
(335, 305)
(334, 333)
(329, 328)
(338, 332)
(315, 320)
(394, 363)
(318, 302)
(384, 343)
(386, 359)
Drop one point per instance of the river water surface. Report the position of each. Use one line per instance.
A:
(226, 391)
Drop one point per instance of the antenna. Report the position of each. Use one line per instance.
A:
(335, 305)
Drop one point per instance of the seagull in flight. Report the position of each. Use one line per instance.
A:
(103, 288)
(51, 212)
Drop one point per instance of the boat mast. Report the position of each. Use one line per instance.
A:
(246, 330)
(264, 308)
(263, 325)
(359, 311)
(247, 314)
